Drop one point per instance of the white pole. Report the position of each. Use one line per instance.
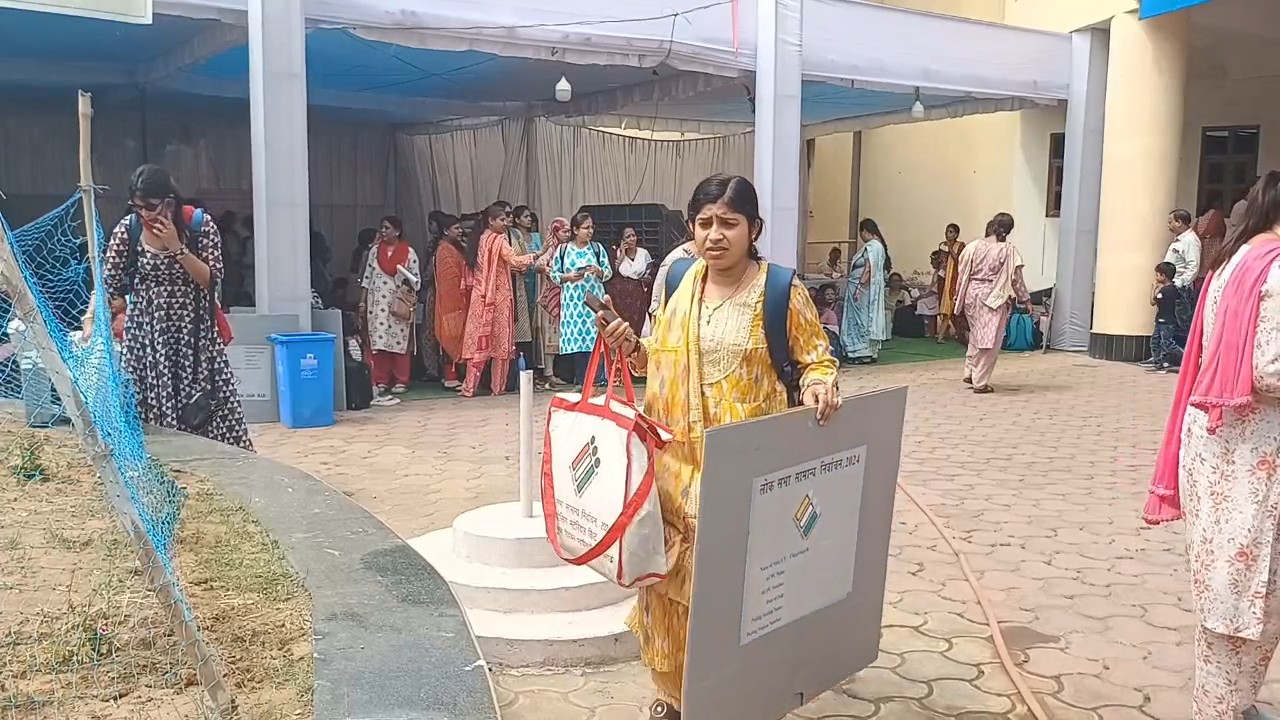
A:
(527, 493)
(779, 137)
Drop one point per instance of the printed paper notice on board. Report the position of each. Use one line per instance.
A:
(130, 11)
(801, 541)
(251, 364)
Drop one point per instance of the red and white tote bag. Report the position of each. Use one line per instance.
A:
(598, 493)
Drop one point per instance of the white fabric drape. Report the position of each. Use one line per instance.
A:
(555, 168)
(464, 170)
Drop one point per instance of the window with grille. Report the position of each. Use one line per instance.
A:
(1057, 155)
(1228, 166)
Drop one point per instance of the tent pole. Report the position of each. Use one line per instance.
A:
(778, 135)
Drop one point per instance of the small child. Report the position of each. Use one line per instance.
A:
(1164, 298)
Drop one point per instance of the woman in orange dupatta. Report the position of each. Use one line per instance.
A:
(490, 327)
(451, 297)
(950, 283)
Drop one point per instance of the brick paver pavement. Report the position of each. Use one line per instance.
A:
(1041, 485)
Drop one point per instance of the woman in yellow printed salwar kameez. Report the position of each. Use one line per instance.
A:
(708, 364)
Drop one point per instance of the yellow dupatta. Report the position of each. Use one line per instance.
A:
(675, 400)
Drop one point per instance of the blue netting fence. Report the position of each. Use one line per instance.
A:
(82, 631)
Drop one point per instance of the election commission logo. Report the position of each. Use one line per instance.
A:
(585, 466)
(807, 516)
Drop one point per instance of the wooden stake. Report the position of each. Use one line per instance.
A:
(220, 703)
(87, 190)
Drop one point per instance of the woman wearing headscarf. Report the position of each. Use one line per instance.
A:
(549, 301)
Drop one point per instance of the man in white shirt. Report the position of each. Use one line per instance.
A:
(1184, 253)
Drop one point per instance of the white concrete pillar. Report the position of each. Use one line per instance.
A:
(778, 135)
(1081, 192)
(281, 190)
(1142, 143)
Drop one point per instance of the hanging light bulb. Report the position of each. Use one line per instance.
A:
(564, 91)
(917, 108)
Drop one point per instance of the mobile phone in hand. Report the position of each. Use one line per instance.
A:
(598, 307)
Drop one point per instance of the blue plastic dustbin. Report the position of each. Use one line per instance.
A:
(304, 378)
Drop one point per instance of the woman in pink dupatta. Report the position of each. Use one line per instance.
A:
(1218, 463)
(490, 331)
(990, 280)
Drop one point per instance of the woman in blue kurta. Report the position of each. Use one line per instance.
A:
(863, 327)
(579, 266)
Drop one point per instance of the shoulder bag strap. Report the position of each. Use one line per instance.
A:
(777, 312)
(675, 275)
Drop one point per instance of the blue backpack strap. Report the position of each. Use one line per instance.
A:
(134, 233)
(675, 275)
(197, 224)
(777, 312)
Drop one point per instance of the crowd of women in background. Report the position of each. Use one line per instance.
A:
(494, 292)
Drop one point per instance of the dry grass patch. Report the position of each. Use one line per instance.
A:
(82, 637)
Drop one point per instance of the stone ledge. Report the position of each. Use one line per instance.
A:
(391, 640)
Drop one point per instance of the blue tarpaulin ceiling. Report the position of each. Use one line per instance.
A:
(1152, 8)
(388, 82)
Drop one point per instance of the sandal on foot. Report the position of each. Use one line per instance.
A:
(968, 381)
(984, 390)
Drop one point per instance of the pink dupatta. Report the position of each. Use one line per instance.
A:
(1225, 380)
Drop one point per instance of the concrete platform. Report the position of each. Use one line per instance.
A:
(527, 607)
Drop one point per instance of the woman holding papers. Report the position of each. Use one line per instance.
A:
(708, 364)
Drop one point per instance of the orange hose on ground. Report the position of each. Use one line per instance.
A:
(997, 638)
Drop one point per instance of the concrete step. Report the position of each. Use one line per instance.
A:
(563, 588)
(555, 640)
(498, 535)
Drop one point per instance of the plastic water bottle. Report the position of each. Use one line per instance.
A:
(520, 364)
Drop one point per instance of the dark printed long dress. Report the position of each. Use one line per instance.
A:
(168, 320)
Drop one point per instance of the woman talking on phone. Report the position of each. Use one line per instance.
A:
(161, 270)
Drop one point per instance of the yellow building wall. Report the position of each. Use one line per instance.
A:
(830, 195)
(916, 178)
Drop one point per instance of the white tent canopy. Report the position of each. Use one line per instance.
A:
(961, 66)
(786, 67)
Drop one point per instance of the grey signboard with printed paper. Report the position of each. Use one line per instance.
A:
(792, 549)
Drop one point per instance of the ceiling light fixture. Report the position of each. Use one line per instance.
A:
(917, 108)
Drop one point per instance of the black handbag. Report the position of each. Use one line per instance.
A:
(200, 409)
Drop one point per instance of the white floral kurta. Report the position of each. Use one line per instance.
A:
(387, 333)
(1229, 483)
